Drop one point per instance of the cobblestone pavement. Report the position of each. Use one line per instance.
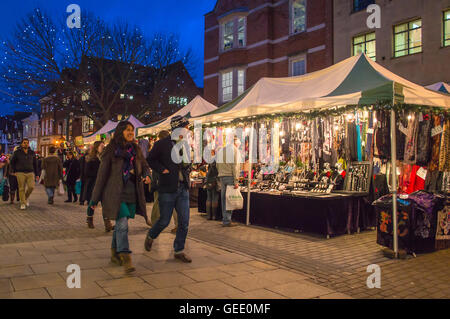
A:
(37, 244)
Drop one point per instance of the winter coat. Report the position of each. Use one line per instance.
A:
(160, 158)
(53, 170)
(109, 184)
(24, 163)
(72, 171)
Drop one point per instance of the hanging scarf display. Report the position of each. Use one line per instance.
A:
(382, 135)
(411, 139)
(358, 140)
(444, 156)
(352, 141)
(402, 121)
(128, 153)
(435, 145)
(423, 149)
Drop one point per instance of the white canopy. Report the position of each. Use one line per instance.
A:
(197, 107)
(356, 80)
(109, 128)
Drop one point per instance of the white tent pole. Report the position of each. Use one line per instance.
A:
(394, 180)
(250, 152)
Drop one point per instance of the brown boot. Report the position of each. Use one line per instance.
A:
(115, 259)
(108, 225)
(90, 222)
(126, 262)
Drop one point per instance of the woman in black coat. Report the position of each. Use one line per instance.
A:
(91, 166)
(72, 167)
(120, 187)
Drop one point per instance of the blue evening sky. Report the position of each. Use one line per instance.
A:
(185, 17)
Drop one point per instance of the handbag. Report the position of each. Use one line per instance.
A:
(61, 189)
(234, 199)
(5, 195)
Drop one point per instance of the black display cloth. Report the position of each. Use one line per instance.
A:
(326, 215)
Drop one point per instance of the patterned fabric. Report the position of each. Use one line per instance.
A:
(423, 149)
(411, 140)
(435, 146)
(129, 155)
(444, 156)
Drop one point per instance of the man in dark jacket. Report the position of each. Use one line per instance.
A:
(72, 167)
(173, 185)
(24, 167)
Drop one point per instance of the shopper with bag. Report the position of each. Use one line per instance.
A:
(52, 173)
(91, 166)
(228, 166)
(24, 167)
(120, 187)
(72, 167)
(173, 186)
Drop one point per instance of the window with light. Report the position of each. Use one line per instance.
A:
(365, 43)
(408, 38)
(298, 65)
(233, 33)
(227, 86)
(298, 16)
(447, 28)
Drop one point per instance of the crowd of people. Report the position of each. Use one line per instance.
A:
(121, 176)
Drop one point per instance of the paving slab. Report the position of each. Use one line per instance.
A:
(300, 290)
(211, 289)
(167, 279)
(37, 281)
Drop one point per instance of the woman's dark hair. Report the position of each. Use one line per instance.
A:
(52, 149)
(118, 138)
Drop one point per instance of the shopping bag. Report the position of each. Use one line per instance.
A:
(78, 187)
(234, 199)
(41, 178)
(61, 189)
(2, 185)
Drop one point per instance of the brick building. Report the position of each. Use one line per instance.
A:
(413, 41)
(249, 39)
(11, 131)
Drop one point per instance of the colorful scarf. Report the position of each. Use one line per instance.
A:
(129, 155)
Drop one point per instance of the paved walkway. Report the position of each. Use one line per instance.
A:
(239, 262)
(38, 244)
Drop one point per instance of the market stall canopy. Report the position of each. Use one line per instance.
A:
(110, 125)
(355, 81)
(197, 107)
(439, 87)
(109, 128)
(136, 123)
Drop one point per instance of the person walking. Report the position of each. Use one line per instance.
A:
(120, 187)
(173, 187)
(228, 167)
(12, 181)
(24, 167)
(53, 173)
(91, 167)
(72, 167)
(212, 195)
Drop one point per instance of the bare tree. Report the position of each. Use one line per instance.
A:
(93, 70)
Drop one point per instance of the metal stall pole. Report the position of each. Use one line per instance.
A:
(250, 152)
(394, 181)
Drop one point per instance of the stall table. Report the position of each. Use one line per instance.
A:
(325, 214)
